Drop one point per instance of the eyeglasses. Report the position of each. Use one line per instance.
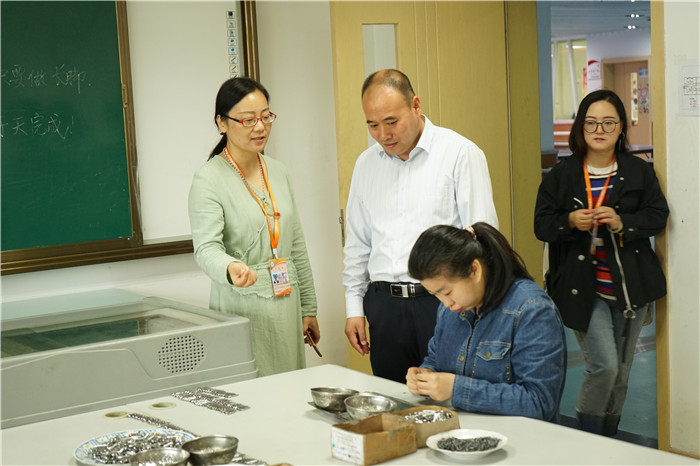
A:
(591, 126)
(250, 122)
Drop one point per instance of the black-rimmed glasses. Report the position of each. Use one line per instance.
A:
(591, 126)
(250, 122)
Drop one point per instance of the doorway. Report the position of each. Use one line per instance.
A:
(629, 77)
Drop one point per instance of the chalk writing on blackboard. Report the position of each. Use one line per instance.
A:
(61, 75)
(38, 124)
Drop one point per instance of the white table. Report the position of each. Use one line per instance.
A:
(281, 427)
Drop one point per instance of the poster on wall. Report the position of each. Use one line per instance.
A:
(634, 101)
(593, 76)
(643, 89)
(689, 88)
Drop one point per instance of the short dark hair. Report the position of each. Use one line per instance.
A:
(230, 93)
(391, 78)
(444, 250)
(577, 142)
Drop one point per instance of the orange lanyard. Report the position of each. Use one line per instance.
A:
(273, 230)
(589, 193)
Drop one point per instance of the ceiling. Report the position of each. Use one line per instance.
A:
(572, 19)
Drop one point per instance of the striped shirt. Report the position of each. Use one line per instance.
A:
(604, 286)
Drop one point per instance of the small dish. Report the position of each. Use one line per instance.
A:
(160, 457)
(211, 449)
(331, 398)
(432, 442)
(368, 404)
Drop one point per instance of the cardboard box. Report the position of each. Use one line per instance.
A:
(373, 440)
(425, 430)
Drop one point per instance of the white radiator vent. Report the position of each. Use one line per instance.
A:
(181, 354)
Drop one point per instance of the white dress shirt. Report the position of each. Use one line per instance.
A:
(391, 202)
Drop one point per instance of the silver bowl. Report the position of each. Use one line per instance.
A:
(160, 457)
(212, 449)
(365, 405)
(331, 398)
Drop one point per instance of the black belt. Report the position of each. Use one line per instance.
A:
(402, 290)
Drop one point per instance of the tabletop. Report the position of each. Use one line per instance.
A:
(280, 426)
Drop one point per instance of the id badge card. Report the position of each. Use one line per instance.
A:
(280, 277)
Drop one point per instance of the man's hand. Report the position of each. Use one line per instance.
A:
(355, 331)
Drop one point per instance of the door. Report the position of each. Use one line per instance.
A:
(456, 57)
(630, 80)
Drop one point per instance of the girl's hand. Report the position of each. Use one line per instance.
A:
(608, 216)
(436, 385)
(581, 219)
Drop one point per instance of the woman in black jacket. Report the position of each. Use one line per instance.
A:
(597, 210)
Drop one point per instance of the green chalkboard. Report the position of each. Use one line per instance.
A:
(64, 174)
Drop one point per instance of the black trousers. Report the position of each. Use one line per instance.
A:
(399, 331)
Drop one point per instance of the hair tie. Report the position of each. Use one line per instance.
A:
(471, 230)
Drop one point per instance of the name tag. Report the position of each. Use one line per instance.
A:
(280, 277)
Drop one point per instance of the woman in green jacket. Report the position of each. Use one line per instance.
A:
(247, 235)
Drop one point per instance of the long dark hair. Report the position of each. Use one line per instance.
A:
(230, 93)
(444, 250)
(577, 142)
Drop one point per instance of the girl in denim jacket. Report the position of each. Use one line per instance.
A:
(499, 344)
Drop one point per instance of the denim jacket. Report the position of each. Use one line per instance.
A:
(510, 361)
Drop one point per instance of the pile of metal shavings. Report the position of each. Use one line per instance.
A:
(212, 398)
(468, 444)
(119, 449)
(158, 423)
(428, 415)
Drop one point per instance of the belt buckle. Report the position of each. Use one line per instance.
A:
(399, 290)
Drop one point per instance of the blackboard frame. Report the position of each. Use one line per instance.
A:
(95, 252)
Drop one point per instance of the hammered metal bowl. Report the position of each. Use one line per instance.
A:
(160, 457)
(331, 398)
(365, 405)
(212, 449)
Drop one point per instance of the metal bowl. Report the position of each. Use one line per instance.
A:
(362, 406)
(160, 457)
(331, 398)
(212, 449)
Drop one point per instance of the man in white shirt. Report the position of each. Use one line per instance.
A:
(416, 176)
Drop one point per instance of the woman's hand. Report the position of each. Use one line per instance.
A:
(436, 385)
(581, 219)
(240, 275)
(608, 216)
(311, 324)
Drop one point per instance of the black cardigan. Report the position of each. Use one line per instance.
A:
(636, 272)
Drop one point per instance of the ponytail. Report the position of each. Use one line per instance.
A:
(218, 148)
(444, 250)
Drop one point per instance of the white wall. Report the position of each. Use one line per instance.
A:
(296, 67)
(179, 58)
(682, 43)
